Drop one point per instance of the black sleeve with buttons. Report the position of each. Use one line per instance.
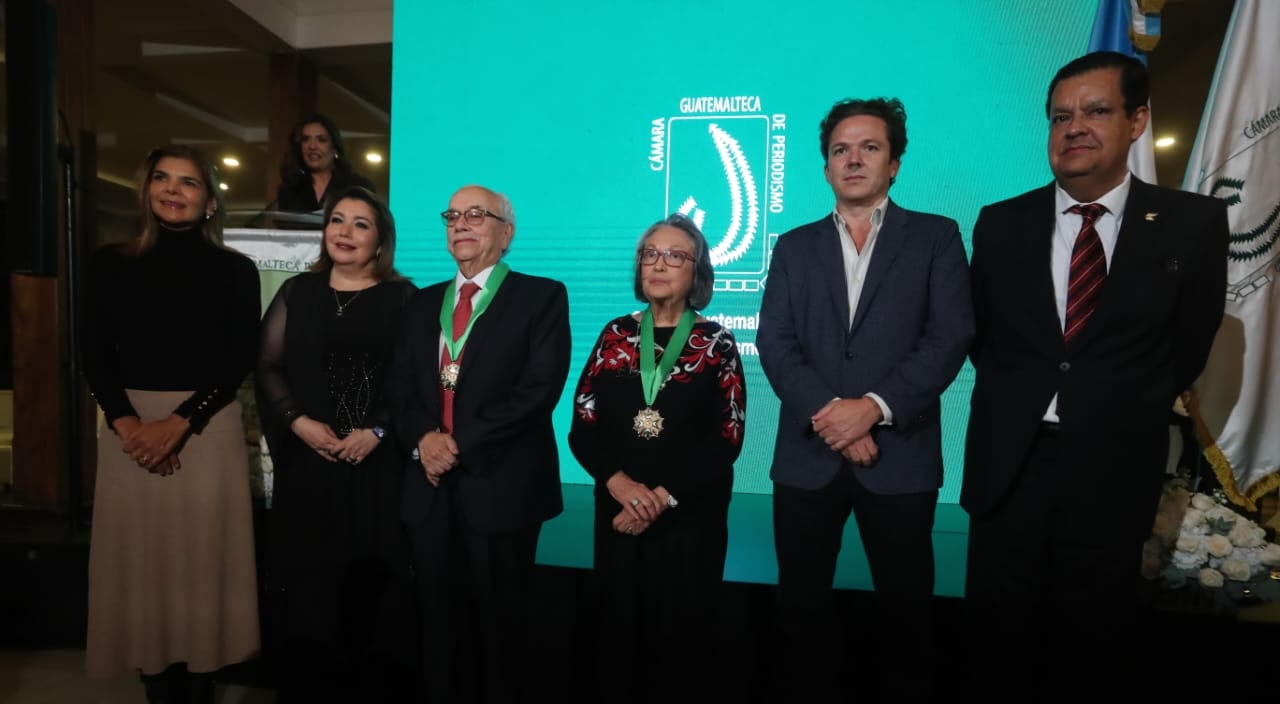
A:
(181, 316)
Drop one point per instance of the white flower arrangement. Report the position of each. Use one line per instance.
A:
(1199, 542)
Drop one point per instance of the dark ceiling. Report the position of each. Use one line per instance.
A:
(196, 71)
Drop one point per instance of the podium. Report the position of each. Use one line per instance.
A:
(279, 253)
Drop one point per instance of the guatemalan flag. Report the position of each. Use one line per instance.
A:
(1121, 25)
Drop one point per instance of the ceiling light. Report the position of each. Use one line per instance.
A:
(223, 186)
(1165, 142)
(230, 161)
(373, 158)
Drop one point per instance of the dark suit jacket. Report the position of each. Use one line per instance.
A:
(907, 342)
(1146, 342)
(514, 369)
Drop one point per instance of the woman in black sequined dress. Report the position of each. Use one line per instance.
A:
(339, 601)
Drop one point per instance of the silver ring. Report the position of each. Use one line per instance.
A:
(635, 502)
(145, 459)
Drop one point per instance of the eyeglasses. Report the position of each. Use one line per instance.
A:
(473, 216)
(672, 257)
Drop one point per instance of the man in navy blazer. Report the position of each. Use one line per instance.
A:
(866, 320)
(478, 486)
(1069, 425)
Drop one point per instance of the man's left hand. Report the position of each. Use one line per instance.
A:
(863, 452)
(438, 453)
(841, 422)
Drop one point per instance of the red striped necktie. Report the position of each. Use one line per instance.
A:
(461, 316)
(1088, 271)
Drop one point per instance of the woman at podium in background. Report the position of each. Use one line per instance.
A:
(315, 167)
(340, 604)
(172, 333)
(659, 414)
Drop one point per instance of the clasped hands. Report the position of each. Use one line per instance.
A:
(153, 445)
(438, 453)
(320, 437)
(845, 425)
(641, 505)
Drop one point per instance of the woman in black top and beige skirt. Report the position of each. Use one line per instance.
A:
(172, 333)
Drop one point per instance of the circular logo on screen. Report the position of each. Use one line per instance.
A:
(725, 168)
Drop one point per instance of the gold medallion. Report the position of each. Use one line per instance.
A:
(449, 376)
(647, 423)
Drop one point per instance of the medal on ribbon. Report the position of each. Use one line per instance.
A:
(648, 422)
(449, 376)
(454, 344)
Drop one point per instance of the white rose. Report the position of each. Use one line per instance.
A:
(1218, 545)
(1270, 555)
(1253, 556)
(1246, 534)
(1236, 570)
(1188, 543)
(1211, 578)
(1192, 518)
(1189, 559)
(1202, 502)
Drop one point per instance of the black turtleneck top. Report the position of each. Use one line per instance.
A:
(182, 316)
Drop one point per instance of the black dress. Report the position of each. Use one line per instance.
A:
(340, 604)
(658, 592)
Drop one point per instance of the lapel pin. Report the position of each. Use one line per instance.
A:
(1151, 217)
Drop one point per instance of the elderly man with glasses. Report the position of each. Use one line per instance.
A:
(478, 370)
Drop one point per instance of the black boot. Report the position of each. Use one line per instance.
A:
(200, 688)
(158, 689)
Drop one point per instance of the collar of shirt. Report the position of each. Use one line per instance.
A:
(877, 217)
(479, 279)
(1108, 226)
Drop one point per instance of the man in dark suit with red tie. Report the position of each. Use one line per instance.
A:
(1097, 298)
(480, 366)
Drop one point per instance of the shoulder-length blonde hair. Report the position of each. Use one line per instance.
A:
(212, 227)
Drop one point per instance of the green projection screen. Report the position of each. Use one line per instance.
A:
(599, 118)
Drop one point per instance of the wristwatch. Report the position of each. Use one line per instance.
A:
(671, 501)
(379, 432)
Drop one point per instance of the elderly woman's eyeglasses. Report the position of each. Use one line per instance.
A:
(672, 257)
(473, 216)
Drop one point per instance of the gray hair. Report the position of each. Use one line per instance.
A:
(704, 275)
(504, 206)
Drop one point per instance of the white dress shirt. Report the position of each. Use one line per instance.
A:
(855, 275)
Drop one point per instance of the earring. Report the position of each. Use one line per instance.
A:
(208, 215)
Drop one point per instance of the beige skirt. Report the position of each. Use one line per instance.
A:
(171, 559)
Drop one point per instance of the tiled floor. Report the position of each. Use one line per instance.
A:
(57, 677)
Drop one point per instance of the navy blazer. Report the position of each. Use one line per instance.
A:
(1146, 342)
(907, 342)
(513, 372)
